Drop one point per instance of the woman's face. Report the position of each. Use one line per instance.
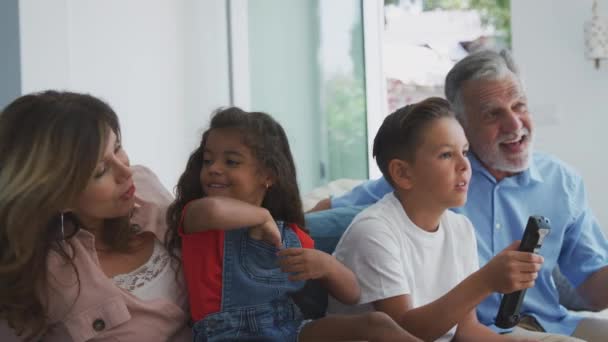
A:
(110, 191)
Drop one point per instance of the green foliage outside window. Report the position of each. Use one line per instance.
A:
(346, 124)
(494, 13)
(345, 108)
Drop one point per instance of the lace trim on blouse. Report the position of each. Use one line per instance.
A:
(146, 273)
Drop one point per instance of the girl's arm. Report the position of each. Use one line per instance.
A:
(224, 213)
(307, 263)
(340, 281)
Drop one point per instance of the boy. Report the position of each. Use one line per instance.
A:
(414, 259)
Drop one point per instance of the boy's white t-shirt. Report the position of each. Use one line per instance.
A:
(391, 256)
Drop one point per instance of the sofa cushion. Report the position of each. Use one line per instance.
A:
(326, 227)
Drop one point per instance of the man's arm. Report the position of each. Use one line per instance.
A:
(367, 192)
(584, 254)
(324, 204)
(593, 290)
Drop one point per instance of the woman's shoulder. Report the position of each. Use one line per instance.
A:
(74, 279)
(148, 187)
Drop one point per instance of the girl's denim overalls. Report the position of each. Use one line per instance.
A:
(255, 301)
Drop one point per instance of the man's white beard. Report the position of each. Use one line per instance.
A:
(492, 156)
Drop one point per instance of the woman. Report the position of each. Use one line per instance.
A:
(81, 252)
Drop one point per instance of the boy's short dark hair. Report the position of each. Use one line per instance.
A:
(400, 132)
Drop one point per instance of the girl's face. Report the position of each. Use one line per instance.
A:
(441, 172)
(110, 191)
(230, 169)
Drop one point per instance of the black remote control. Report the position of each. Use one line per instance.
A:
(536, 230)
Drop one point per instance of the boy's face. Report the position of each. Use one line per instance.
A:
(439, 176)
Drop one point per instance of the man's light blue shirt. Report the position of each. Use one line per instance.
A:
(500, 210)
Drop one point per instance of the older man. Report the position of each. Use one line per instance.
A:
(509, 183)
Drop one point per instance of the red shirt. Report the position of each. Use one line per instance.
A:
(202, 258)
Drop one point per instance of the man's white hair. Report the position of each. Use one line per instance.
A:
(481, 65)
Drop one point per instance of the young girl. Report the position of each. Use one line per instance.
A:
(416, 260)
(238, 220)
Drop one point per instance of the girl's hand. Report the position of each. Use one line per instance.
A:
(305, 263)
(267, 231)
(511, 270)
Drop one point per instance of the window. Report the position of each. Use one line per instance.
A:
(424, 38)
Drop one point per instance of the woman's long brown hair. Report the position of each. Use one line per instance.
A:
(50, 144)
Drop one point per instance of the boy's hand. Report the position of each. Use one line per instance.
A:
(267, 231)
(305, 263)
(511, 270)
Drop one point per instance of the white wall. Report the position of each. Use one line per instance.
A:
(161, 64)
(567, 94)
(43, 30)
(10, 63)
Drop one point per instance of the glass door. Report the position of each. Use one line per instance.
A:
(303, 62)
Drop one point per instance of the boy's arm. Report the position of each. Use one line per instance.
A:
(431, 321)
(469, 329)
(224, 213)
(507, 272)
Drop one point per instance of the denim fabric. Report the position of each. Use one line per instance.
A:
(256, 305)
